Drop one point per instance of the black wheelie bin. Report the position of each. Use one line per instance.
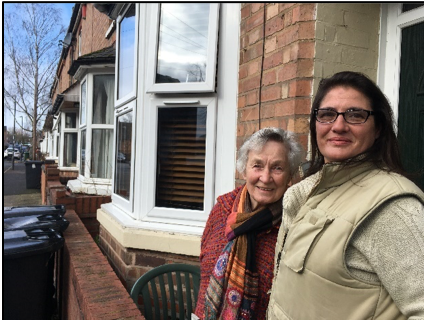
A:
(28, 284)
(33, 174)
(11, 212)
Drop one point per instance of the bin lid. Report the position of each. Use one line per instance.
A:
(25, 243)
(55, 222)
(10, 212)
(39, 162)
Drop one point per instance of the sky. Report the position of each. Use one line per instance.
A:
(66, 18)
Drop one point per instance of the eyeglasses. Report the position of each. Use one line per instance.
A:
(352, 116)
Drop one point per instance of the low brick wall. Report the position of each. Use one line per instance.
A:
(130, 264)
(90, 288)
(85, 205)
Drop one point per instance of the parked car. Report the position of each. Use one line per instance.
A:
(9, 151)
(121, 157)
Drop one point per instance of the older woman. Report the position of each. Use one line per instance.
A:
(351, 245)
(238, 243)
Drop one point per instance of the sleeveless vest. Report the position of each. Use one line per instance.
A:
(312, 280)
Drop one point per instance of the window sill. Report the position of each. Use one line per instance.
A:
(78, 186)
(68, 168)
(136, 234)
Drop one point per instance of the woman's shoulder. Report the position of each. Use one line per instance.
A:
(226, 200)
(395, 182)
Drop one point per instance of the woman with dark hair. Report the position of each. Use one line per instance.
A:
(351, 244)
(238, 243)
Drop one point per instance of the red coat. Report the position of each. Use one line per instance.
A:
(214, 241)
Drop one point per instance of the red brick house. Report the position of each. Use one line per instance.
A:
(192, 81)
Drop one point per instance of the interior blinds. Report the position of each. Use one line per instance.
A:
(181, 157)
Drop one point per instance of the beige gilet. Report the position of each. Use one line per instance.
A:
(312, 280)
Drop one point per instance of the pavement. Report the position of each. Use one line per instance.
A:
(15, 192)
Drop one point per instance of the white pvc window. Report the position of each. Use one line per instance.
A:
(83, 104)
(179, 174)
(184, 47)
(96, 151)
(126, 57)
(69, 136)
(185, 132)
(123, 182)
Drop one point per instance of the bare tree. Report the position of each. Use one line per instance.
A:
(31, 53)
(197, 71)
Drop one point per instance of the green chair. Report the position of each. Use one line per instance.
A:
(168, 292)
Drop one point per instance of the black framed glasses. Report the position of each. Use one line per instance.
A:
(352, 116)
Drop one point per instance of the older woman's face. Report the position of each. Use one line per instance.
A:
(339, 140)
(267, 174)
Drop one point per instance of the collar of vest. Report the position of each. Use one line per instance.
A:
(335, 174)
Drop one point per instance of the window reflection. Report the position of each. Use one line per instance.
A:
(126, 53)
(70, 120)
(70, 149)
(183, 42)
(83, 102)
(82, 152)
(123, 155)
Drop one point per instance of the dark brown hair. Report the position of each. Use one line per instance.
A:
(385, 151)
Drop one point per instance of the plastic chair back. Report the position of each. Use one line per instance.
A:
(168, 291)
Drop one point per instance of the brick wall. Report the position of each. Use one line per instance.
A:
(94, 28)
(90, 289)
(53, 191)
(129, 264)
(276, 68)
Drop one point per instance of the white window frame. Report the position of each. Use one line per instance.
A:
(132, 94)
(121, 202)
(190, 87)
(149, 212)
(83, 124)
(68, 130)
(89, 126)
(54, 138)
(122, 223)
(79, 43)
(392, 23)
(123, 105)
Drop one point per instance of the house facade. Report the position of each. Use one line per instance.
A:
(158, 129)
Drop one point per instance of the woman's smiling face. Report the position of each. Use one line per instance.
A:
(339, 140)
(267, 174)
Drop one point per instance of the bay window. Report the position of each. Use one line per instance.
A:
(175, 114)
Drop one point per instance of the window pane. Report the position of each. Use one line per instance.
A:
(82, 152)
(101, 154)
(71, 120)
(181, 158)
(70, 149)
(123, 155)
(183, 42)
(83, 101)
(126, 53)
(103, 99)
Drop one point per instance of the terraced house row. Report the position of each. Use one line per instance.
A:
(152, 100)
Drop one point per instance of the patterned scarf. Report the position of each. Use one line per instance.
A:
(233, 286)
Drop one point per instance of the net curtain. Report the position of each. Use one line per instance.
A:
(102, 138)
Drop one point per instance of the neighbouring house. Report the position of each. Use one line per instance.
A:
(157, 129)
